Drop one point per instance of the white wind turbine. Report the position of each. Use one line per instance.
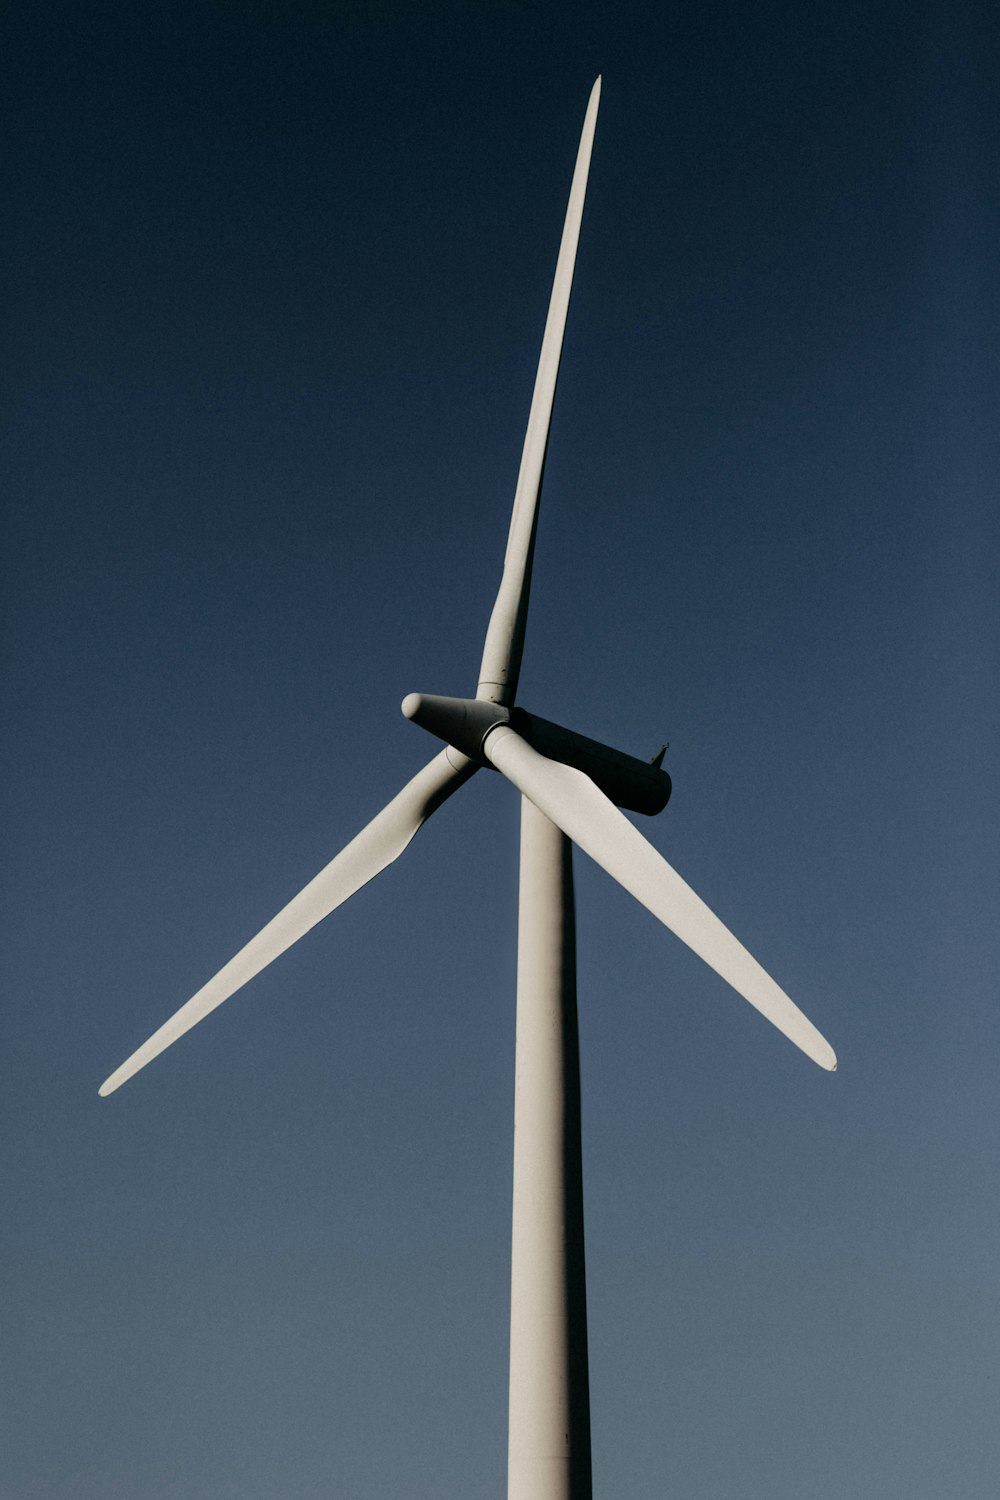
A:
(571, 789)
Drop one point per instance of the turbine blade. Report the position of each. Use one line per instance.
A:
(375, 847)
(571, 800)
(501, 664)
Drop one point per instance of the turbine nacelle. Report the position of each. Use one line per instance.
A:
(466, 724)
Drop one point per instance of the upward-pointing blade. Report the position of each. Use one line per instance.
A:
(571, 800)
(504, 644)
(376, 846)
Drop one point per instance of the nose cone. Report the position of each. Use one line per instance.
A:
(461, 722)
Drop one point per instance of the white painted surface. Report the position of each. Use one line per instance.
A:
(549, 1425)
(501, 664)
(377, 845)
(586, 816)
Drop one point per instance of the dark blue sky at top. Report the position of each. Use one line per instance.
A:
(275, 278)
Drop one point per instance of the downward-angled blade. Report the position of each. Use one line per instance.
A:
(501, 664)
(571, 800)
(376, 846)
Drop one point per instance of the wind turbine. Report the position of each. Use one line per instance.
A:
(572, 789)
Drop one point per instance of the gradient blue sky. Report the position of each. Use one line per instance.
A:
(276, 279)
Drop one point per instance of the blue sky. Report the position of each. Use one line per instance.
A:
(276, 279)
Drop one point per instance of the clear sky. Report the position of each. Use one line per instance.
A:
(276, 275)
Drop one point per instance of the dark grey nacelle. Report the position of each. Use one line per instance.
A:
(639, 785)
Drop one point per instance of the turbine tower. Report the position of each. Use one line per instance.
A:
(571, 791)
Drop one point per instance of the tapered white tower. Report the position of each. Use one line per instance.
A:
(548, 1445)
